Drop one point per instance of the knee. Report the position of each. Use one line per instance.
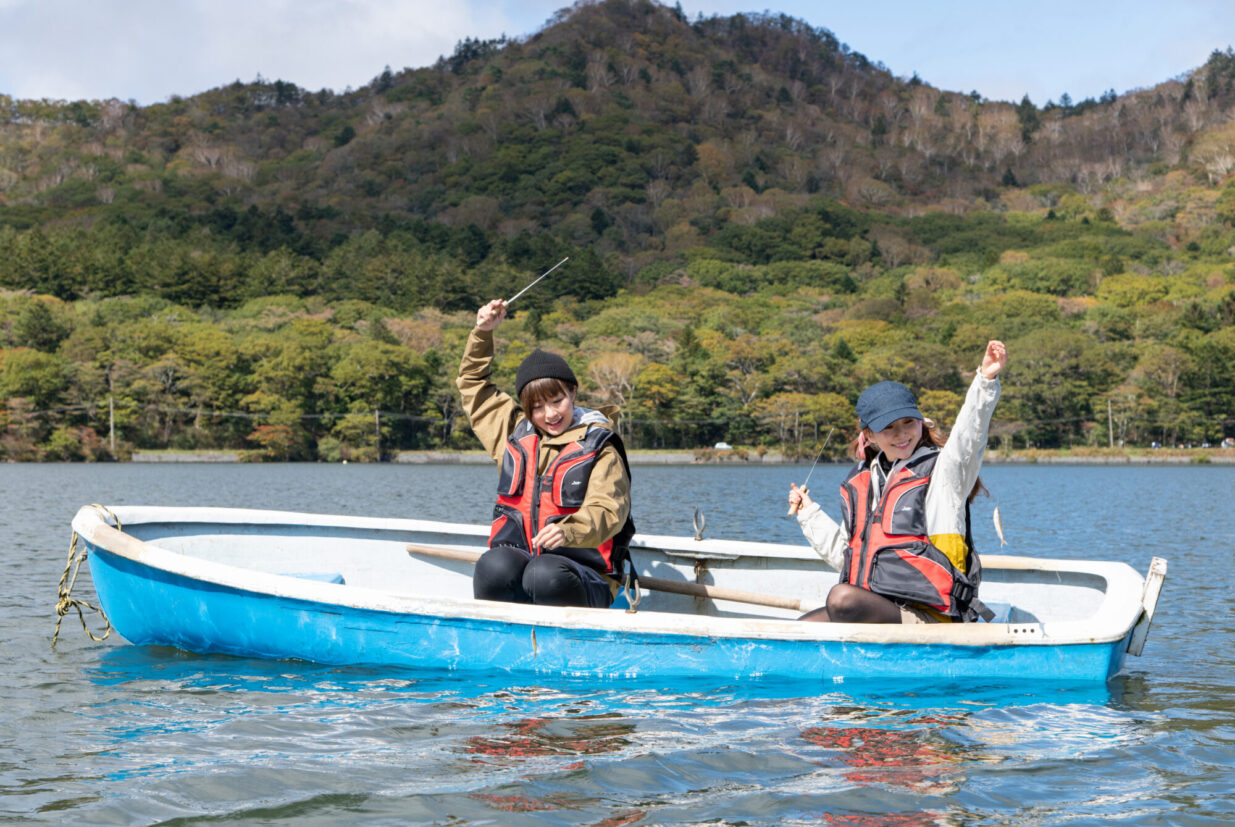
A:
(552, 582)
(845, 603)
(498, 575)
(852, 604)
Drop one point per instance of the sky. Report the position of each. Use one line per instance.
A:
(149, 50)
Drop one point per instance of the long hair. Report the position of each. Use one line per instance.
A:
(864, 450)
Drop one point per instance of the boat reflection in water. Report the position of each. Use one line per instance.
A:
(547, 746)
(914, 756)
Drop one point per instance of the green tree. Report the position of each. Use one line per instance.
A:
(1057, 373)
(40, 378)
(359, 434)
(381, 376)
(294, 365)
(1027, 114)
(38, 327)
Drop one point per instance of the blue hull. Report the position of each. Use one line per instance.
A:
(152, 606)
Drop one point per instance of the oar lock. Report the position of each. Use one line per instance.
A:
(700, 522)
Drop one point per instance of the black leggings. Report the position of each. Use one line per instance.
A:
(514, 576)
(854, 604)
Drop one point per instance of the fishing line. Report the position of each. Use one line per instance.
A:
(792, 510)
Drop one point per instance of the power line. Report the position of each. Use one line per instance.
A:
(215, 414)
(249, 415)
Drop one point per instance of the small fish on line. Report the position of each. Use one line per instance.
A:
(999, 527)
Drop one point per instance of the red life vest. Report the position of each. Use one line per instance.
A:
(527, 502)
(890, 552)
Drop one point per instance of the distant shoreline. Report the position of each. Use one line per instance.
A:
(708, 456)
(1212, 457)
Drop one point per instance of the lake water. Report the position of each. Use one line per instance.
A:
(107, 733)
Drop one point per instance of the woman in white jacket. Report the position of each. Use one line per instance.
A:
(903, 545)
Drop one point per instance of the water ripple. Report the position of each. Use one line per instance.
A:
(112, 733)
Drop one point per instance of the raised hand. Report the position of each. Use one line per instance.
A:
(490, 315)
(995, 358)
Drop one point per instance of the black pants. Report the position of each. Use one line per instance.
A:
(514, 576)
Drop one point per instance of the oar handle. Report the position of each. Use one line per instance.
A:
(460, 554)
(653, 583)
(718, 593)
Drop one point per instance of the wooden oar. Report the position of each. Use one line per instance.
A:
(654, 583)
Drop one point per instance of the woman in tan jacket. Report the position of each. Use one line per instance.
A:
(561, 525)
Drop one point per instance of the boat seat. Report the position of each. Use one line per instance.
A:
(321, 576)
(1007, 613)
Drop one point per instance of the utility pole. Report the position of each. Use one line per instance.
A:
(377, 427)
(111, 423)
(1110, 424)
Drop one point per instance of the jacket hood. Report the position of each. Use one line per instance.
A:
(584, 418)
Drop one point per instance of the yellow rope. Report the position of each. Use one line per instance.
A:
(66, 601)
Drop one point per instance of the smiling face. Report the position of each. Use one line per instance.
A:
(898, 440)
(550, 407)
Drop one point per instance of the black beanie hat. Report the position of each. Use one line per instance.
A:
(541, 364)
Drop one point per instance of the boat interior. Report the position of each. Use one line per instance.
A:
(372, 554)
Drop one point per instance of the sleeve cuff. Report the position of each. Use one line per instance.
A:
(805, 514)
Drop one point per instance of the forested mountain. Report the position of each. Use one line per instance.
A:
(759, 219)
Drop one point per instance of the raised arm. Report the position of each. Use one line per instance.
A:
(961, 458)
(491, 412)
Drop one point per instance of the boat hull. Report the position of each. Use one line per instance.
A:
(151, 605)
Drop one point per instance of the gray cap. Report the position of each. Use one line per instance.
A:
(885, 402)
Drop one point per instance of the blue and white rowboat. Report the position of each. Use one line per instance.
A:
(346, 590)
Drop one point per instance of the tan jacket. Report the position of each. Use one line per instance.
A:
(493, 416)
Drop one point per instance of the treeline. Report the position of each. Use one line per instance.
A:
(1114, 337)
(223, 258)
(759, 222)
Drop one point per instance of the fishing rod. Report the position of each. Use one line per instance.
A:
(793, 509)
(533, 284)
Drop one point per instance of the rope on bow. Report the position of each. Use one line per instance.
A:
(66, 602)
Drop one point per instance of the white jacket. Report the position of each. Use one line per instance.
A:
(956, 471)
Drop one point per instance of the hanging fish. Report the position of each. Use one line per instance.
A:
(999, 527)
